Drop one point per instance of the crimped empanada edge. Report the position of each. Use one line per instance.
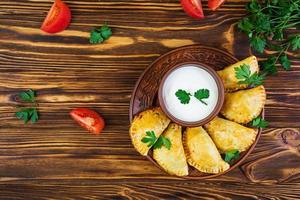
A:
(263, 97)
(196, 166)
(166, 168)
(218, 169)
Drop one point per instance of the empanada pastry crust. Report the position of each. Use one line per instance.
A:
(244, 105)
(228, 74)
(228, 135)
(148, 120)
(173, 160)
(202, 153)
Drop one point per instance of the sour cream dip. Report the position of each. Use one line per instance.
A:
(190, 78)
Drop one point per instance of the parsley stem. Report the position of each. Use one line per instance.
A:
(203, 102)
(282, 51)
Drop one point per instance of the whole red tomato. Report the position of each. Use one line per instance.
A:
(88, 119)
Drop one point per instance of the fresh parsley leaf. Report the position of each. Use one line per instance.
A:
(202, 94)
(245, 25)
(295, 42)
(268, 23)
(259, 123)
(150, 138)
(183, 96)
(95, 37)
(105, 32)
(285, 62)
(162, 141)
(27, 96)
(243, 73)
(100, 34)
(157, 143)
(253, 7)
(231, 155)
(268, 66)
(258, 43)
(27, 114)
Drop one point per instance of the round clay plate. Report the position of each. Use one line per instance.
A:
(144, 95)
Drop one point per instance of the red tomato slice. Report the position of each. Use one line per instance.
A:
(193, 8)
(215, 4)
(88, 119)
(58, 18)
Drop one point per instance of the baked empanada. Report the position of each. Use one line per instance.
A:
(228, 135)
(149, 120)
(228, 74)
(244, 105)
(202, 153)
(173, 160)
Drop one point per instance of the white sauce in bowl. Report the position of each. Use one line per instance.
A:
(190, 79)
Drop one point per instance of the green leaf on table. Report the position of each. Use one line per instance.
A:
(253, 6)
(259, 123)
(95, 37)
(105, 32)
(202, 94)
(231, 155)
(100, 34)
(28, 114)
(295, 42)
(27, 96)
(246, 25)
(285, 62)
(183, 96)
(268, 66)
(258, 43)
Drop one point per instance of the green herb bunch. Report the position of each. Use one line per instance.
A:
(266, 26)
(29, 113)
(100, 34)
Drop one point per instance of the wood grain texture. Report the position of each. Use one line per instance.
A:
(56, 159)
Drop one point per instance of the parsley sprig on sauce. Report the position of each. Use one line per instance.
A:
(184, 97)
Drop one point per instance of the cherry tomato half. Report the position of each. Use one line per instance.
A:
(193, 8)
(88, 119)
(58, 18)
(215, 4)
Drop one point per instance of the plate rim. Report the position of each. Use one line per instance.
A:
(208, 176)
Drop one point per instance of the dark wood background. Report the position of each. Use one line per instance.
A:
(56, 159)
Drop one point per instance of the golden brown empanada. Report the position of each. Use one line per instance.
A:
(149, 120)
(202, 153)
(244, 105)
(229, 135)
(228, 74)
(173, 160)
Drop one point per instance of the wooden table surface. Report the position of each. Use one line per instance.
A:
(56, 159)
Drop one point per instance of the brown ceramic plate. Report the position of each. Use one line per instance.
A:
(144, 95)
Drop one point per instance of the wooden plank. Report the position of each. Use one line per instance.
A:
(68, 153)
(172, 190)
(56, 159)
